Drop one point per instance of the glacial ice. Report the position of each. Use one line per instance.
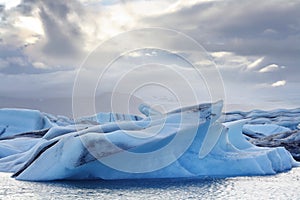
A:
(261, 130)
(17, 121)
(188, 142)
(289, 118)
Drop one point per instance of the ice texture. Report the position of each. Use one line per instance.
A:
(261, 130)
(289, 118)
(191, 142)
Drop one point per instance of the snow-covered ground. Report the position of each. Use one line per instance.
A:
(196, 141)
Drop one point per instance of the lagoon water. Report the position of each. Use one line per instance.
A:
(280, 186)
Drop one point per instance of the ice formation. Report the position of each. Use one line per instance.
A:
(262, 130)
(289, 118)
(187, 142)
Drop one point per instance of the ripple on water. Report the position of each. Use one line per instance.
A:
(281, 186)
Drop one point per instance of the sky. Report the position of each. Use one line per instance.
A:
(247, 53)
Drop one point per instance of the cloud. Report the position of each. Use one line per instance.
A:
(269, 32)
(59, 33)
(40, 40)
(14, 61)
(10, 3)
(243, 37)
(40, 65)
(3, 63)
(135, 54)
(269, 68)
(255, 63)
(220, 54)
(236, 30)
(279, 83)
(225, 59)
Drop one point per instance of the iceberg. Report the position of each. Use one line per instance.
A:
(275, 128)
(189, 142)
(290, 140)
(262, 130)
(289, 118)
(17, 121)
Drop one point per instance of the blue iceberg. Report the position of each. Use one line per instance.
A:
(192, 142)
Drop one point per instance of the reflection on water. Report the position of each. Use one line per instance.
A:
(281, 186)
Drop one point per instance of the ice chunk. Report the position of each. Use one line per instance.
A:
(15, 121)
(263, 130)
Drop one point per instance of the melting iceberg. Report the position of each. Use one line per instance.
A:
(187, 142)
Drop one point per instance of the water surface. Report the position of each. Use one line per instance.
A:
(281, 186)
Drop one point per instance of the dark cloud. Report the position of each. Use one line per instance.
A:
(14, 61)
(247, 29)
(61, 39)
(59, 47)
(27, 7)
(269, 29)
(244, 27)
(62, 34)
(2, 7)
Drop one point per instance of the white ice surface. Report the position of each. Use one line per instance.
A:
(264, 129)
(16, 121)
